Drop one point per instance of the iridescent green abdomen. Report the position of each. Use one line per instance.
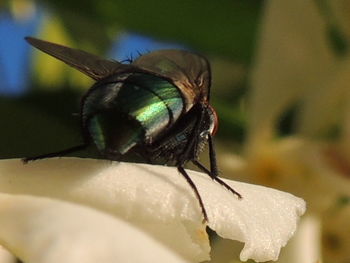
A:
(132, 109)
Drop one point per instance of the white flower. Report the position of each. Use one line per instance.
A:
(158, 204)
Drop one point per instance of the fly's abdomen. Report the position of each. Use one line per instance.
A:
(142, 108)
(152, 101)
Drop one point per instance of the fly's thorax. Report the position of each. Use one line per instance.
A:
(189, 72)
(130, 110)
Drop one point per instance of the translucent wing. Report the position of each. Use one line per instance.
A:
(189, 72)
(91, 65)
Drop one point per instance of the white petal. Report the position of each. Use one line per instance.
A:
(159, 200)
(305, 246)
(42, 230)
(265, 219)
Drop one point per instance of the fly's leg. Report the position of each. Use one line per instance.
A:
(56, 154)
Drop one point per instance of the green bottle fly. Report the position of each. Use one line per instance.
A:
(156, 106)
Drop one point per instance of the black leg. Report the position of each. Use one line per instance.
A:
(193, 186)
(189, 153)
(216, 178)
(214, 171)
(56, 154)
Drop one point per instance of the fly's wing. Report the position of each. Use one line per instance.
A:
(188, 71)
(91, 65)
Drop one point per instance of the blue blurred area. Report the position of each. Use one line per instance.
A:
(14, 52)
(130, 46)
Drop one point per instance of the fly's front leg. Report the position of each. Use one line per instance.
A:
(195, 190)
(213, 173)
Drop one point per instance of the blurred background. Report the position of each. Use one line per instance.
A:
(40, 94)
(281, 74)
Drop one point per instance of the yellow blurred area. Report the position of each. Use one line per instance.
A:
(50, 72)
(22, 9)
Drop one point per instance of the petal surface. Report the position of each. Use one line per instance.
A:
(159, 200)
(43, 230)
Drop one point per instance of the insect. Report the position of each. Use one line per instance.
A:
(157, 106)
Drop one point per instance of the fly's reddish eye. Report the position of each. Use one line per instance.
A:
(214, 121)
